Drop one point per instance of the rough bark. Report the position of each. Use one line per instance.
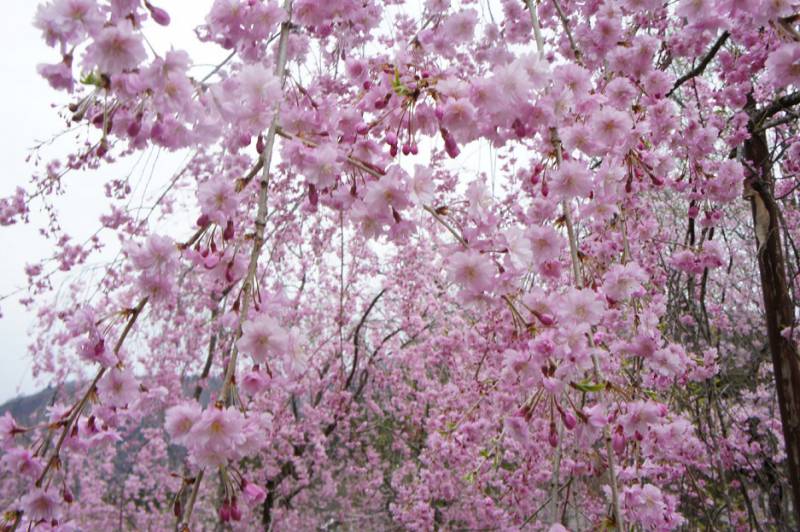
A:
(778, 306)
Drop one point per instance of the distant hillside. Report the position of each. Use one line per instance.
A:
(27, 408)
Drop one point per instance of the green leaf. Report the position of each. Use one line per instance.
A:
(398, 85)
(589, 387)
(91, 79)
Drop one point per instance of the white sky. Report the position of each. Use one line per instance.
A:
(26, 116)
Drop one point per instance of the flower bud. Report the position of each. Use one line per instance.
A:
(160, 16)
(618, 442)
(569, 420)
(228, 233)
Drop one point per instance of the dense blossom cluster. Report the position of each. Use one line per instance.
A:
(369, 326)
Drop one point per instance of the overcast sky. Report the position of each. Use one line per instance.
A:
(28, 116)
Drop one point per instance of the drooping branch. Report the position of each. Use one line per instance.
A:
(356, 337)
(54, 461)
(701, 66)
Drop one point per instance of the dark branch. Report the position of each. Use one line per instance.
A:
(701, 67)
(356, 336)
(781, 104)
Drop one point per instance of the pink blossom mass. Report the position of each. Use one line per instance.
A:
(444, 265)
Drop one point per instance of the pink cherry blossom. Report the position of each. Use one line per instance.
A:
(116, 49)
(179, 421)
(263, 338)
(118, 388)
(472, 271)
(571, 180)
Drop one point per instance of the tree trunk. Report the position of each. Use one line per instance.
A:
(778, 307)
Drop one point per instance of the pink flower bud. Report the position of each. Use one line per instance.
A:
(450, 145)
(553, 438)
(391, 138)
(313, 196)
(135, 127)
(159, 15)
(211, 262)
(225, 512)
(228, 233)
(236, 513)
(254, 494)
(569, 420)
(618, 442)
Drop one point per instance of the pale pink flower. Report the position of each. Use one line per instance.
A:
(513, 84)
(262, 338)
(473, 271)
(370, 224)
(518, 246)
(581, 307)
(517, 428)
(572, 179)
(574, 78)
(385, 194)
(460, 26)
(41, 505)
(622, 281)
(217, 198)
(158, 252)
(579, 137)
(640, 415)
(712, 254)
(459, 118)
(422, 186)
(726, 186)
(356, 70)
(259, 91)
(115, 49)
(8, 428)
(535, 68)
(546, 243)
(324, 167)
(118, 388)
(610, 127)
(642, 5)
(218, 429)
(620, 93)
(180, 419)
(19, 461)
(58, 75)
(694, 10)
(669, 361)
(253, 493)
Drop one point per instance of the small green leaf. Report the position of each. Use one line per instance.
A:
(589, 387)
(91, 79)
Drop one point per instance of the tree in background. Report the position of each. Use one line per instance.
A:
(367, 328)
